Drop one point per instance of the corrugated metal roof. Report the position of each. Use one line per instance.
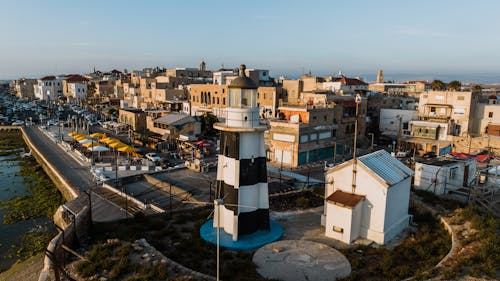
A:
(390, 169)
(175, 119)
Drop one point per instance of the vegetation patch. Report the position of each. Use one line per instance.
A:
(178, 238)
(43, 198)
(478, 232)
(295, 201)
(417, 254)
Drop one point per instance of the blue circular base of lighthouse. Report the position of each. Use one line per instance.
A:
(245, 242)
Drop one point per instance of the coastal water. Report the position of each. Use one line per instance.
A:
(14, 184)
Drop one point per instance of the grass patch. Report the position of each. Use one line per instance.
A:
(421, 251)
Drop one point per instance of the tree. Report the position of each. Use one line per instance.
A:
(477, 88)
(437, 85)
(207, 125)
(454, 85)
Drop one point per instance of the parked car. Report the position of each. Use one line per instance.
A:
(153, 156)
(18, 123)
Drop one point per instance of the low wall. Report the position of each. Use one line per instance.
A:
(168, 187)
(74, 225)
(68, 191)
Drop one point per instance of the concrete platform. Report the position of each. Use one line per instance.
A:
(300, 260)
(245, 242)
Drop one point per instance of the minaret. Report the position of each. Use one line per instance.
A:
(241, 169)
(380, 76)
(202, 65)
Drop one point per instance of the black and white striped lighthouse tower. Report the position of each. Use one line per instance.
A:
(241, 169)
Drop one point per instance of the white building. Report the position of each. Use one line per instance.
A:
(394, 120)
(377, 209)
(76, 88)
(346, 86)
(440, 176)
(219, 76)
(48, 88)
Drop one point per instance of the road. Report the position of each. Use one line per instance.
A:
(76, 175)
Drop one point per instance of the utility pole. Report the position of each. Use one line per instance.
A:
(354, 168)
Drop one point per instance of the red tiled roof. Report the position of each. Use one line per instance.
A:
(51, 77)
(75, 78)
(350, 81)
(345, 199)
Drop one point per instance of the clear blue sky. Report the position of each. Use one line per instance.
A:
(417, 38)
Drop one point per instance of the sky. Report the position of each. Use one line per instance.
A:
(407, 39)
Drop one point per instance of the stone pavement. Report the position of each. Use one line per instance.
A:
(299, 260)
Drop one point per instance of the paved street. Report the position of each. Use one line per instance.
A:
(78, 176)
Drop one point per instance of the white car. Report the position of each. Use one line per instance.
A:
(18, 123)
(153, 156)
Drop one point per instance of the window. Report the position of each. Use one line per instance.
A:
(223, 91)
(334, 133)
(490, 114)
(433, 109)
(223, 100)
(338, 229)
(453, 173)
(325, 117)
(217, 100)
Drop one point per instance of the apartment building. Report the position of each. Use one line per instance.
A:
(301, 134)
(24, 88)
(48, 88)
(75, 88)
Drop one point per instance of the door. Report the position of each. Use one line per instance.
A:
(466, 175)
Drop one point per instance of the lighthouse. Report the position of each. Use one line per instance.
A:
(241, 168)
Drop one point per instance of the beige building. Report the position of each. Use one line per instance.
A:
(457, 109)
(134, 118)
(174, 125)
(213, 98)
(487, 116)
(24, 88)
(301, 134)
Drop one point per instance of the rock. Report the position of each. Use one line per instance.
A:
(163, 261)
(177, 244)
(146, 255)
(147, 260)
(103, 279)
(155, 262)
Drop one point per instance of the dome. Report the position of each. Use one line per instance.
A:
(242, 81)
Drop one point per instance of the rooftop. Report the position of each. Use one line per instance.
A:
(345, 199)
(390, 169)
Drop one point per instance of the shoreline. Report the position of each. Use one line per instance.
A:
(25, 227)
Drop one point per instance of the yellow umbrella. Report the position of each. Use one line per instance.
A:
(98, 135)
(75, 134)
(108, 140)
(89, 144)
(116, 144)
(126, 148)
(79, 137)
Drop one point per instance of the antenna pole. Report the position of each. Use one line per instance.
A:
(354, 165)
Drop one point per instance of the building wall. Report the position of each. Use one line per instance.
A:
(373, 214)
(389, 121)
(397, 203)
(486, 114)
(339, 217)
(449, 106)
(136, 120)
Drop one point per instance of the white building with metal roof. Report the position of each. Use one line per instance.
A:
(375, 206)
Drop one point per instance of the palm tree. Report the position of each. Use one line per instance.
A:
(437, 85)
(454, 85)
